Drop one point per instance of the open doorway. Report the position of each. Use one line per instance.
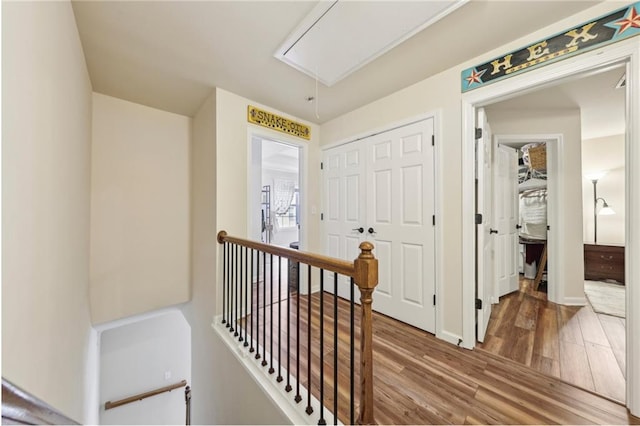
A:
(557, 330)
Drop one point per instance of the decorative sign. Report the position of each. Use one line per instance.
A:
(618, 25)
(281, 124)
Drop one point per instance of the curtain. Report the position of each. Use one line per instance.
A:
(282, 196)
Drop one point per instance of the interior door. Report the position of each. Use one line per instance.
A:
(484, 233)
(506, 219)
(344, 215)
(400, 214)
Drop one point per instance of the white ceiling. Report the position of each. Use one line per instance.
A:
(602, 106)
(170, 54)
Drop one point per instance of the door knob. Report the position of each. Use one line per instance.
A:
(360, 230)
(371, 231)
(493, 231)
(518, 226)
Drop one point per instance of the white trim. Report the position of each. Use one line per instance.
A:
(555, 220)
(623, 51)
(632, 230)
(439, 236)
(454, 339)
(273, 390)
(384, 128)
(574, 301)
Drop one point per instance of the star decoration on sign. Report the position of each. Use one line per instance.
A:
(632, 20)
(474, 77)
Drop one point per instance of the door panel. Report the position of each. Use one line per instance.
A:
(485, 247)
(506, 211)
(402, 203)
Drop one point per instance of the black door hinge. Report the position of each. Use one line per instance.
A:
(321, 216)
(434, 300)
(478, 218)
(434, 219)
(321, 165)
(478, 133)
(433, 140)
(478, 304)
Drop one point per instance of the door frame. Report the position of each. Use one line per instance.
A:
(436, 115)
(628, 52)
(555, 185)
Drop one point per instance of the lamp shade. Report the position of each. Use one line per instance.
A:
(597, 175)
(606, 211)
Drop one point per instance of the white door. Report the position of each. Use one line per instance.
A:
(344, 202)
(385, 184)
(506, 219)
(484, 233)
(400, 211)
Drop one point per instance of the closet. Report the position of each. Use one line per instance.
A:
(382, 189)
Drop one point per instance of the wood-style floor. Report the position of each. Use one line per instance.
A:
(573, 343)
(419, 379)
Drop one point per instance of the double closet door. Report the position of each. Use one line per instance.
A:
(381, 189)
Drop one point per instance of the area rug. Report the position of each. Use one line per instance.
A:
(606, 298)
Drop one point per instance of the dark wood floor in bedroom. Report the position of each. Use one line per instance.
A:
(570, 342)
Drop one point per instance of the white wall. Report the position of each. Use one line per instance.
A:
(604, 154)
(442, 93)
(223, 391)
(134, 358)
(139, 209)
(46, 141)
(232, 135)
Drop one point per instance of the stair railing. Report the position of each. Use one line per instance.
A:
(287, 331)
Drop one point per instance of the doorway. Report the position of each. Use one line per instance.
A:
(586, 358)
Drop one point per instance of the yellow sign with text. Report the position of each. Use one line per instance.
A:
(281, 124)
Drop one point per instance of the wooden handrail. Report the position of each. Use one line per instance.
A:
(109, 405)
(20, 407)
(319, 261)
(364, 271)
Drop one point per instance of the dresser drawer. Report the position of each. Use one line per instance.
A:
(603, 262)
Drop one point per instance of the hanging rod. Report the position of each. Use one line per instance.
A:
(108, 405)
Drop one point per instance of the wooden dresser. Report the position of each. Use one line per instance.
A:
(603, 262)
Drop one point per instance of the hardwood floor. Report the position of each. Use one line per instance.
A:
(419, 379)
(570, 342)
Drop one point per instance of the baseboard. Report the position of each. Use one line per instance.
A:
(574, 301)
(448, 337)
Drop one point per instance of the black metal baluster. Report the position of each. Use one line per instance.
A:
(298, 397)
(322, 421)
(335, 348)
(247, 283)
(309, 409)
(253, 311)
(352, 353)
(225, 280)
(271, 369)
(264, 309)
(258, 305)
(243, 324)
(279, 378)
(233, 286)
(235, 294)
(230, 286)
(288, 387)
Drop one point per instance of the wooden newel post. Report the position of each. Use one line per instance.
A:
(366, 278)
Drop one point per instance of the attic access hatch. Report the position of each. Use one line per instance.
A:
(338, 37)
